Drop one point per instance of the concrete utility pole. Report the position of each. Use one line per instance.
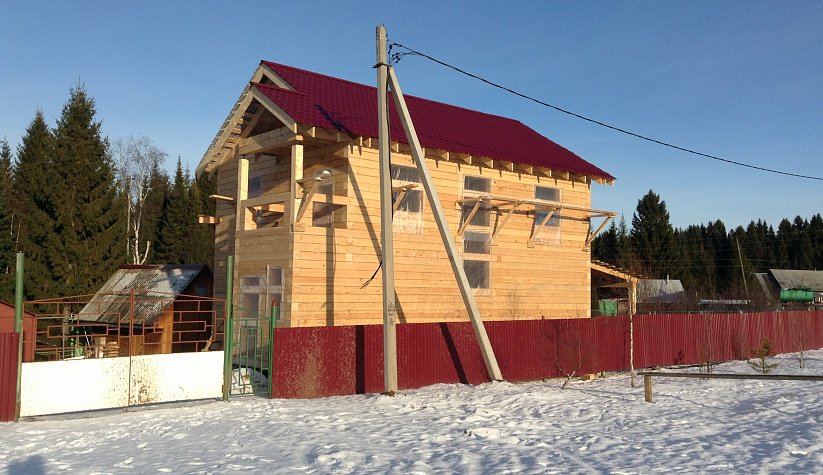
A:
(389, 305)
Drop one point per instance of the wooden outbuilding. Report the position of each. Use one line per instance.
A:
(29, 328)
(298, 206)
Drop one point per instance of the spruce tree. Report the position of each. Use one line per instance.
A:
(7, 246)
(652, 235)
(89, 210)
(35, 182)
(153, 211)
(178, 214)
(201, 235)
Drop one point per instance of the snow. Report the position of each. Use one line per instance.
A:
(695, 425)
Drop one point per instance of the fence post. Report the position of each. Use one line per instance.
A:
(647, 388)
(18, 328)
(228, 329)
(275, 312)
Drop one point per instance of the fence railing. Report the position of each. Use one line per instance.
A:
(123, 324)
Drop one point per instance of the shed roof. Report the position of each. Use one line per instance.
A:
(157, 286)
(798, 279)
(660, 290)
(324, 101)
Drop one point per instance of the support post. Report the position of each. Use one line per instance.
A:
(228, 329)
(18, 328)
(445, 233)
(632, 310)
(275, 313)
(387, 245)
(647, 388)
(296, 175)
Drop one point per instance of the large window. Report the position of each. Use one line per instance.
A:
(476, 237)
(408, 214)
(548, 232)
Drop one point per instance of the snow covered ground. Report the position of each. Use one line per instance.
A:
(600, 426)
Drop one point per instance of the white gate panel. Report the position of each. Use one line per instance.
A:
(176, 377)
(54, 387)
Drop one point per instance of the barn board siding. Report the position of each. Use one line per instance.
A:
(8, 375)
(324, 361)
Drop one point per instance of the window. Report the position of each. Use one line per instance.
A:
(251, 289)
(408, 216)
(477, 272)
(475, 186)
(476, 245)
(548, 233)
(274, 287)
(255, 186)
(328, 215)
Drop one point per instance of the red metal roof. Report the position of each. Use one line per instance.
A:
(328, 102)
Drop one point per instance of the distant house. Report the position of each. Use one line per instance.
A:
(149, 309)
(792, 286)
(298, 190)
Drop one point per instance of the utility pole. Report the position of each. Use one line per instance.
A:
(387, 245)
(740, 257)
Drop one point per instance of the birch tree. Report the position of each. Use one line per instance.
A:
(137, 159)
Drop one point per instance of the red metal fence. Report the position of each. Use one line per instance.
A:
(323, 361)
(8, 375)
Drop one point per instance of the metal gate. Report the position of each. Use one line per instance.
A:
(120, 349)
(251, 350)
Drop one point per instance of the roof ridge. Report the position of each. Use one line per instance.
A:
(417, 98)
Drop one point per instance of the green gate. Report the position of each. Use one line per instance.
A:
(251, 352)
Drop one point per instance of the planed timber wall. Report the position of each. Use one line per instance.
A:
(324, 268)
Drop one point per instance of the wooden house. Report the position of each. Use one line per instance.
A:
(298, 206)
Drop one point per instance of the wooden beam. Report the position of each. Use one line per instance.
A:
(266, 199)
(506, 165)
(275, 78)
(503, 223)
(536, 233)
(296, 174)
(469, 218)
(484, 161)
(203, 219)
(594, 234)
(248, 125)
(547, 172)
(307, 199)
(267, 140)
(276, 110)
(222, 198)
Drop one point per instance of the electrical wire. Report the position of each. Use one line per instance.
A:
(395, 58)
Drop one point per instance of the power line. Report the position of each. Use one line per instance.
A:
(397, 56)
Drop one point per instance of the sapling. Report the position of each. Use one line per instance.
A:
(761, 354)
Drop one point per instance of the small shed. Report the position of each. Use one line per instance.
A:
(149, 309)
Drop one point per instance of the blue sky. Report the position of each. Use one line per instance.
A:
(742, 80)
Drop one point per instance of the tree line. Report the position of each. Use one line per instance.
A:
(710, 260)
(79, 206)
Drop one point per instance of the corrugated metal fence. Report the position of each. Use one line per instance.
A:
(323, 361)
(8, 375)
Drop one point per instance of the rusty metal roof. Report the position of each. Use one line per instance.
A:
(154, 288)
